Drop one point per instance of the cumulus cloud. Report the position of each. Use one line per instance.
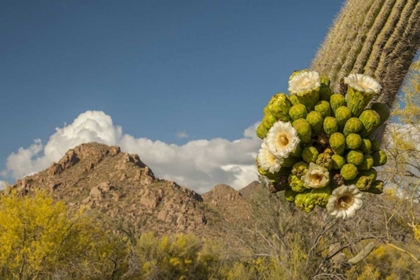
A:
(198, 164)
(182, 134)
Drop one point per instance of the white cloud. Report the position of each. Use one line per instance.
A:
(198, 164)
(182, 134)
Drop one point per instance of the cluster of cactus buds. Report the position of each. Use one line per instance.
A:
(316, 144)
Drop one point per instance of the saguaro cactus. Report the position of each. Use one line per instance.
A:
(378, 38)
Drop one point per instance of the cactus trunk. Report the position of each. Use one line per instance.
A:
(378, 38)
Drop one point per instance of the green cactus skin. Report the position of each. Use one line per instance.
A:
(379, 158)
(353, 125)
(262, 131)
(297, 152)
(324, 160)
(321, 196)
(296, 184)
(290, 195)
(289, 161)
(299, 169)
(310, 154)
(367, 163)
(353, 141)
(371, 120)
(337, 162)
(279, 106)
(342, 114)
(304, 130)
(383, 111)
(316, 121)
(294, 100)
(338, 143)
(355, 157)
(361, 182)
(376, 145)
(366, 146)
(305, 202)
(298, 111)
(371, 174)
(336, 101)
(323, 107)
(357, 101)
(349, 171)
(378, 38)
(377, 187)
(330, 125)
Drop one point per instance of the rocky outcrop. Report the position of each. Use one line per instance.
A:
(120, 188)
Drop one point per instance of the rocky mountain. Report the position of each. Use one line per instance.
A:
(123, 191)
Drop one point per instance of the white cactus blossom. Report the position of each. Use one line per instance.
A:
(345, 201)
(267, 160)
(282, 139)
(304, 82)
(316, 177)
(363, 83)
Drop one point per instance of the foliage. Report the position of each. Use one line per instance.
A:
(39, 240)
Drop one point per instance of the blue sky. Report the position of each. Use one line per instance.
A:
(201, 70)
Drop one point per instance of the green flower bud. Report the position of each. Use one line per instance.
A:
(299, 169)
(336, 101)
(338, 143)
(290, 161)
(262, 131)
(324, 160)
(377, 187)
(370, 120)
(382, 110)
(342, 114)
(371, 174)
(279, 107)
(305, 202)
(321, 196)
(323, 107)
(353, 141)
(315, 119)
(290, 195)
(294, 100)
(268, 121)
(296, 184)
(357, 101)
(349, 171)
(353, 125)
(376, 146)
(355, 157)
(367, 163)
(298, 111)
(310, 154)
(379, 158)
(325, 91)
(366, 146)
(361, 182)
(304, 130)
(337, 161)
(330, 125)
